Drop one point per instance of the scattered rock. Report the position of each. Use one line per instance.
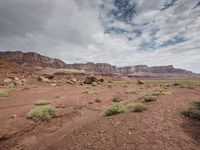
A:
(100, 80)
(49, 76)
(70, 82)
(14, 116)
(140, 82)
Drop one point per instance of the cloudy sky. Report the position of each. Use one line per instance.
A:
(120, 32)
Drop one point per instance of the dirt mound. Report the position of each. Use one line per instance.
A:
(8, 69)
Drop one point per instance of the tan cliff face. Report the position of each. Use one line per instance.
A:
(34, 59)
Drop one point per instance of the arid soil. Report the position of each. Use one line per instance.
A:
(81, 123)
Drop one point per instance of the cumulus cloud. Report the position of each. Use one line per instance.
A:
(120, 32)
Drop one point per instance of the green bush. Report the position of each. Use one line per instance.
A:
(42, 113)
(42, 102)
(137, 107)
(193, 111)
(118, 99)
(3, 94)
(115, 109)
(149, 98)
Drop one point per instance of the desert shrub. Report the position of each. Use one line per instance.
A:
(176, 84)
(160, 92)
(118, 99)
(110, 86)
(42, 113)
(94, 84)
(89, 92)
(148, 98)
(3, 94)
(137, 107)
(115, 109)
(193, 111)
(97, 100)
(42, 102)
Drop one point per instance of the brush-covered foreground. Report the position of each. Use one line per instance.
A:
(75, 116)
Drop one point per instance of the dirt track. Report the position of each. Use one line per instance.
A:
(160, 127)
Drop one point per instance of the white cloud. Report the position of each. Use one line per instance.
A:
(74, 31)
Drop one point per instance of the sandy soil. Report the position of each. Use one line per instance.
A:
(81, 123)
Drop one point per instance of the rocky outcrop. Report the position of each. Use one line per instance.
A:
(31, 59)
(143, 70)
(101, 68)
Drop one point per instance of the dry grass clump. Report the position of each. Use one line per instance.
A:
(115, 109)
(42, 102)
(89, 92)
(42, 113)
(160, 92)
(137, 107)
(149, 98)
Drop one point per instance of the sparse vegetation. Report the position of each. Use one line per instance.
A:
(42, 102)
(149, 98)
(115, 109)
(89, 92)
(42, 113)
(3, 94)
(130, 92)
(118, 99)
(193, 112)
(136, 107)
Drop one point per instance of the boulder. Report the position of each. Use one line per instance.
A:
(90, 80)
(100, 80)
(74, 80)
(49, 76)
(7, 81)
(43, 79)
(140, 82)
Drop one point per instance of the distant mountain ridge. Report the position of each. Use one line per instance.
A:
(35, 59)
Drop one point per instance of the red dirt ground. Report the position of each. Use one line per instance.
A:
(81, 123)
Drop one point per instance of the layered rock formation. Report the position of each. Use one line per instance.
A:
(31, 59)
(34, 59)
